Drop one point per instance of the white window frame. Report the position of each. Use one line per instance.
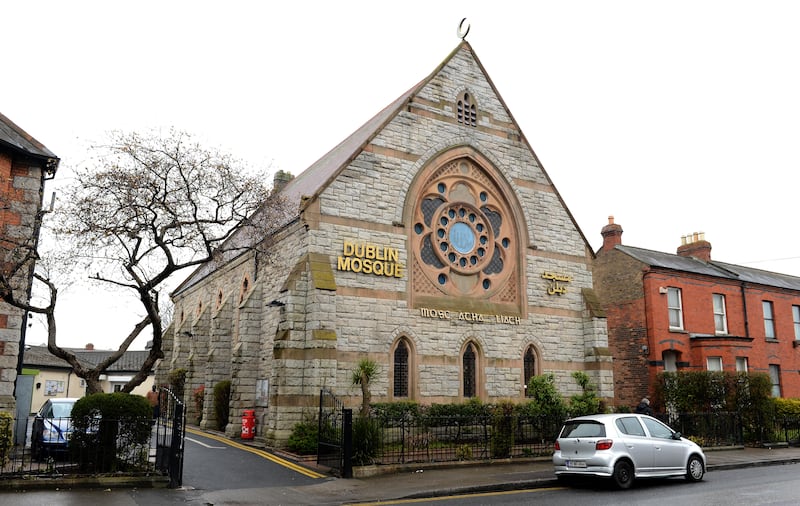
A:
(673, 296)
(741, 364)
(720, 314)
(796, 319)
(775, 378)
(769, 319)
(714, 364)
(670, 361)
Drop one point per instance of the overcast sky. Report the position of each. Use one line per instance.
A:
(675, 117)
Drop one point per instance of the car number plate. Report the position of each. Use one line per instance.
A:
(576, 463)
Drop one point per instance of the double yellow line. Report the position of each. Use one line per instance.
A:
(261, 453)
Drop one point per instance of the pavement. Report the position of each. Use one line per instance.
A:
(373, 484)
(424, 481)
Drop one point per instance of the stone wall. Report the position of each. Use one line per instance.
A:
(304, 324)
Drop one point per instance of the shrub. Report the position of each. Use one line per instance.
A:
(109, 429)
(544, 397)
(222, 402)
(586, 403)
(396, 410)
(6, 436)
(704, 391)
(199, 395)
(504, 421)
(304, 438)
(465, 411)
(177, 381)
(366, 440)
(783, 407)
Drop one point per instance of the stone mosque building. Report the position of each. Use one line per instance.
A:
(431, 241)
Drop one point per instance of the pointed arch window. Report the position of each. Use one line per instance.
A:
(469, 361)
(529, 368)
(401, 377)
(467, 110)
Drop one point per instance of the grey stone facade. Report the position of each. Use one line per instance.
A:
(302, 319)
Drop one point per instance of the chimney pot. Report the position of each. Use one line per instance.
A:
(695, 245)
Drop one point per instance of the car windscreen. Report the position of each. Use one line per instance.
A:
(583, 428)
(61, 410)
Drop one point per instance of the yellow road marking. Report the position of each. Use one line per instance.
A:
(452, 497)
(261, 453)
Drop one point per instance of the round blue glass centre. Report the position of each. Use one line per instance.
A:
(462, 238)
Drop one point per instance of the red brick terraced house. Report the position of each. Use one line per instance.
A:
(687, 312)
(25, 165)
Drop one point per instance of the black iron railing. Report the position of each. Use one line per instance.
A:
(76, 453)
(411, 439)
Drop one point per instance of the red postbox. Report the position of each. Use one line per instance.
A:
(248, 424)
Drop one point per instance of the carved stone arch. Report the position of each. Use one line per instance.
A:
(472, 335)
(407, 333)
(403, 369)
(467, 236)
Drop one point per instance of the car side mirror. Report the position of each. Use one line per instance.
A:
(676, 436)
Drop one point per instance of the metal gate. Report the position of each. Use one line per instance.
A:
(169, 434)
(334, 447)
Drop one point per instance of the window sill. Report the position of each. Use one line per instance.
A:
(772, 341)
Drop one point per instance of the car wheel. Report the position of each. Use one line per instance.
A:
(623, 474)
(694, 469)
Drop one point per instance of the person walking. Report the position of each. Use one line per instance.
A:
(152, 397)
(644, 407)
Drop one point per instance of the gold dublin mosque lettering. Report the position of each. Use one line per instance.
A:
(365, 258)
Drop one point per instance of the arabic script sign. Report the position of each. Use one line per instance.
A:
(556, 283)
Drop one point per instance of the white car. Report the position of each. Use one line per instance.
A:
(624, 446)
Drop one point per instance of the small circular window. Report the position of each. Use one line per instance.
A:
(464, 240)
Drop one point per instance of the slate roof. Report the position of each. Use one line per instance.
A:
(40, 356)
(13, 137)
(130, 361)
(713, 268)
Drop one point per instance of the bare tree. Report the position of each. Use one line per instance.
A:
(147, 207)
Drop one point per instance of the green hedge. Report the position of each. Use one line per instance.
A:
(222, 402)
(704, 391)
(111, 432)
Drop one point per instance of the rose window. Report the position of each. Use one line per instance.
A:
(462, 232)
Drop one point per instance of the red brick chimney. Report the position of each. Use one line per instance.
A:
(695, 245)
(612, 235)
